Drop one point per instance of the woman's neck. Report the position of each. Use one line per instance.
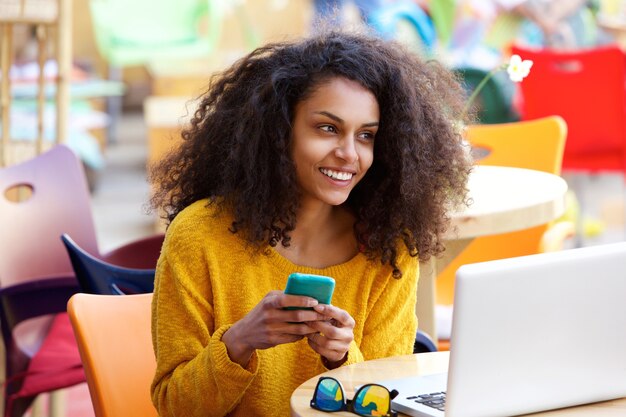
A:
(323, 236)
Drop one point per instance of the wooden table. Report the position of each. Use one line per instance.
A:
(165, 116)
(422, 364)
(504, 200)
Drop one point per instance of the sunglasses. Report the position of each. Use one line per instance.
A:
(369, 400)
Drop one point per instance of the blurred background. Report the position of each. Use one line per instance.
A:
(120, 79)
(136, 67)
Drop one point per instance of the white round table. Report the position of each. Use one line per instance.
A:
(503, 199)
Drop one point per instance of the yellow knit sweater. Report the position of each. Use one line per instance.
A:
(207, 279)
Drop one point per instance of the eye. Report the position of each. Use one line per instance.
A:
(328, 128)
(367, 135)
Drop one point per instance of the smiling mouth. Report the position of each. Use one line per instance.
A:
(337, 175)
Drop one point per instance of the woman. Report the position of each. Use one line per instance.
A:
(336, 155)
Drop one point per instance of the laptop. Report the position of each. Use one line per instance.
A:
(530, 334)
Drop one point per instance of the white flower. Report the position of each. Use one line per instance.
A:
(518, 69)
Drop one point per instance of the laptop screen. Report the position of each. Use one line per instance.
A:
(539, 332)
(530, 334)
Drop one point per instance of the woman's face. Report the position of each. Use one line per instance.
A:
(333, 139)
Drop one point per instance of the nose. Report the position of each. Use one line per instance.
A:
(346, 149)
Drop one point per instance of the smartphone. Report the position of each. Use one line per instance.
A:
(319, 287)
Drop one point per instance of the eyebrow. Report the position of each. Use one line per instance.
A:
(340, 120)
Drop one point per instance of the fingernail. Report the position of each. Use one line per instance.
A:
(320, 308)
(312, 302)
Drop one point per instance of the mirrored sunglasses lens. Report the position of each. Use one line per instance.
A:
(329, 396)
(372, 400)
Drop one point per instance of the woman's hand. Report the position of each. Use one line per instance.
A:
(268, 325)
(333, 335)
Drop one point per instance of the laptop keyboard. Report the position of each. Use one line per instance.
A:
(435, 400)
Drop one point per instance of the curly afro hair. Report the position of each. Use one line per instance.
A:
(236, 150)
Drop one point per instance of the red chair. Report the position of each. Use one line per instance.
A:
(39, 201)
(586, 88)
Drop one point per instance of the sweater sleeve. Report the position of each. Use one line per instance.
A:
(194, 376)
(391, 324)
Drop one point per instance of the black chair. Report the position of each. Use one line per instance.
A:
(423, 343)
(97, 276)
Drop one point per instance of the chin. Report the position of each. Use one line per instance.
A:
(336, 201)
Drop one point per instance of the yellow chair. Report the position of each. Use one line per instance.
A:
(536, 144)
(115, 344)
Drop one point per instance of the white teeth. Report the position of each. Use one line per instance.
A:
(336, 174)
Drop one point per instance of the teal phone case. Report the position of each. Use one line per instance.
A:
(319, 287)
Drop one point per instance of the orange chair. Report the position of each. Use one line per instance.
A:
(586, 88)
(115, 344)
(536, 144)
